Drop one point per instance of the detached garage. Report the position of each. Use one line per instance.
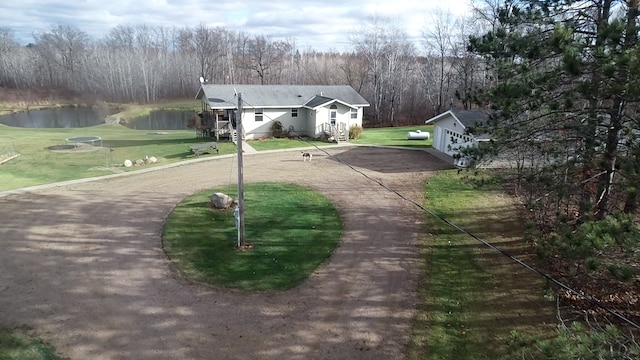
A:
(451, 132)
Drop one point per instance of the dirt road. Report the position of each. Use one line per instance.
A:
(82, 265)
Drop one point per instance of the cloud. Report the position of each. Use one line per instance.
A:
(321, 25)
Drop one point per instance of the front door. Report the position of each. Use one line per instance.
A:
(333, 115)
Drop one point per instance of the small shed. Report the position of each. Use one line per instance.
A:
(452, 133)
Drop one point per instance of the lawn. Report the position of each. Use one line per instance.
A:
(276, 144)
(19, 346)
(472, 297)
(38, 165)
(394, 136)
(120, 143)
(290, 234)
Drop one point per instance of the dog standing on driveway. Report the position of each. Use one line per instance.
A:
(306, 155)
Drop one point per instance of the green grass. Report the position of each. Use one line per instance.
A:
(15, 345)
(292, 234)
(395, 136)
(275, 144)
(132, 111)
(473, 297)
(37, 165)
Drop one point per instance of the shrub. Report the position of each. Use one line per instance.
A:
(575, 342)
(355, 132)
(592, 263)
(531, 232)
(616, 232)
(277, 130)
(622, 272)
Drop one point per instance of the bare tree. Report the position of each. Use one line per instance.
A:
(265, 57)
(7, 45)
(63, 46)
(369, 40)
(400, 64)
(206, 45)
(468, 71)
(486, 14)
(121, 44)
(438, 45)
(354, 70)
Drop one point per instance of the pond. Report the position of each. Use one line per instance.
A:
(66, 117)
(162, 120)
(79, 117)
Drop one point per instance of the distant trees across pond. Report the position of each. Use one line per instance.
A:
(404, 83)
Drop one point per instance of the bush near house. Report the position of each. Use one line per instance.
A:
(355, 132)
(277, 130)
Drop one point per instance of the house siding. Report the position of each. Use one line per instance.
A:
(449, 136)
(277, 102)
(446, 123)
(343, 117)
(309, 122)
(262, 129)
(450, 133)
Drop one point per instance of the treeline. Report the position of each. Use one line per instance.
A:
(566, 100)
(141, 63)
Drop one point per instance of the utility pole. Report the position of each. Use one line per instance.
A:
(241, 236)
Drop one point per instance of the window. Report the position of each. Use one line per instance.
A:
(258, 116)
(294, 112)
(354, 113)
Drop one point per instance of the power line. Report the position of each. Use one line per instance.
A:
(532, 268)
(522, 263)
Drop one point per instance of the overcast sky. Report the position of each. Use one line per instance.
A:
(320, 25)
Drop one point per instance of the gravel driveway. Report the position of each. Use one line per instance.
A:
(82, 265)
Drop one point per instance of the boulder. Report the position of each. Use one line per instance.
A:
(221, 201)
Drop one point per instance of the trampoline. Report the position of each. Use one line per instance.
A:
(77, 140)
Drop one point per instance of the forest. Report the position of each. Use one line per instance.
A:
(404, 82)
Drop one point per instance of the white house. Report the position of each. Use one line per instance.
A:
(306, 110)
(451, 132)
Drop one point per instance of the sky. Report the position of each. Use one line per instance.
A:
(313, 24)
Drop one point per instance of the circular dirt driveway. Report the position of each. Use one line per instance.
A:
(82, 265)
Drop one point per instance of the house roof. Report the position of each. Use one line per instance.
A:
(466, 118)
(318, 100)
(279, 96)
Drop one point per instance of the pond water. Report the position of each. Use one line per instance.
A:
(70, 117)
(162, 120)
